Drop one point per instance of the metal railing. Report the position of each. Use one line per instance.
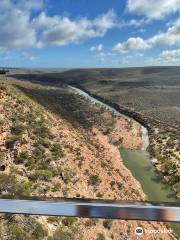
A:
(146, 211)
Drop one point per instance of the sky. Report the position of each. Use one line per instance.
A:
(89, 33)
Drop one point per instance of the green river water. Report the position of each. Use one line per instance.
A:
(138, 162)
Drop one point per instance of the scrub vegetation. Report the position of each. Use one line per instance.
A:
(55, 143)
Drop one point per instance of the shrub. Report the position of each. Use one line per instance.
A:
(2, 157)
(108, 130)
(39, 232)
(68, 221)
(119, 185)
(57, 187)
(23, 156)
(56, 151)
(41, 130)
(94, 180)
(13, 138)
(112, 183)
(99, 195)
(17, 233)
(119, 141)
(100, 236)
(52, 219)
(43, 175)
(107, 224)
(10, 184)
(18, 128)
(2, 122)
(60, 234)
(21, 189)
(90, 222)
(7, 182)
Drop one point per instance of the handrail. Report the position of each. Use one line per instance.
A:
(146, 211)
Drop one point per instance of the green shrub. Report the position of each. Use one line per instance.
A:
(100, 236)
(94, 180)
(119, 141)
(60, 234)
(33, 159)
(91, 222)
(57, 187)
(14, 138)
(2, 157)
(12, 186)
(39, 232)
(41, 130)
(2, 122)
(108, 130)
(18, 128)
(53, 219)
(56, 151)
(17, 233)
(119, 185)
(68, 221)
(23, 157)
(107, 224)
(44, 175)
(3, 87)
(7, 182)
(21, 189)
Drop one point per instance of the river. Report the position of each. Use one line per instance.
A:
(138, 162)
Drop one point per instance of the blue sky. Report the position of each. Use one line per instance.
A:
(89, 33)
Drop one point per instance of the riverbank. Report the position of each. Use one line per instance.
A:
(144, 135)
(91, 166)
(161, 152)
(138, 162)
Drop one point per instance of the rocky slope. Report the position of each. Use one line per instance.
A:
(46, 151)
(148, 94)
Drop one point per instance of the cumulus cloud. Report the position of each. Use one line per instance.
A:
(131, 44)
(154, 9)
(170, 37)
(106, 21)
(62, 30)
(20, 28)
(171, 53)
(97, 48)
(16, 28)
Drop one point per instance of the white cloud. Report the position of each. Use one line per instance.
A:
(131, 44)
(16, 30)
(171, 53)
(62, 30)
(15, 21)
(170, 37)
(106, 21)
(20, 28)
(97, 48)
(154, 9)
(170, 56)
(160, 61)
